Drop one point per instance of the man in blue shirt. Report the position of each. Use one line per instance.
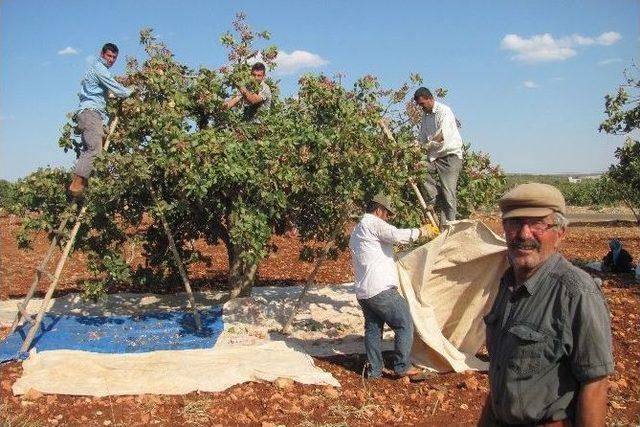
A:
(96, 85)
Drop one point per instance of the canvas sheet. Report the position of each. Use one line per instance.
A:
(450, 284)
(165, 372)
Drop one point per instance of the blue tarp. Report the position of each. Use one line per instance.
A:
(118, 334)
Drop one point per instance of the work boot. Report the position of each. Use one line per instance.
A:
(78, 184)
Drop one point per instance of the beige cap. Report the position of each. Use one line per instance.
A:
(532, 199)
(385, 202)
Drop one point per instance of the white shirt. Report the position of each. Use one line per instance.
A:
(440, 121)
(371, 246)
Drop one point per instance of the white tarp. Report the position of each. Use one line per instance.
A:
(450, 284)
(165, 372)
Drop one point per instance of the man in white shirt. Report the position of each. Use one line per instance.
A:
(376, 286)
(439, 133)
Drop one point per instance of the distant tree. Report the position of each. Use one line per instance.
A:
(623, 118)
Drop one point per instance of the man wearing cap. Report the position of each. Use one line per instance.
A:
(439, 135)
(376, 286)
(548, 332)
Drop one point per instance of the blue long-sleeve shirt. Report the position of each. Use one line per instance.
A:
(95, 86)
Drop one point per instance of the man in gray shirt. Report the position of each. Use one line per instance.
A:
(254, 102)
(548, 332)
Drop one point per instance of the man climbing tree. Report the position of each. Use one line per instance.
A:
(96, 85)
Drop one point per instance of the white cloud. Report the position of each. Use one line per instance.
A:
(6, 118)
(608, 38)
(544, 47)
(609, 61)
(68, 51)
(290, 63)
(531, 85)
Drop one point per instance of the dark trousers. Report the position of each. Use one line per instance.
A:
(442, 192)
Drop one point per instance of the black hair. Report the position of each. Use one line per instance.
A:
(372, 206)
(259, 66)
(109, 46)
(422, 92)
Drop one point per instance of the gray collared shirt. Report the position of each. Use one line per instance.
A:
(544, 339)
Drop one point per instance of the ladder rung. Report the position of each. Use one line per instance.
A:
(25, 315)
(42, 271)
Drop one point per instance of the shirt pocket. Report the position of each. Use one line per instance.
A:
(533, 351)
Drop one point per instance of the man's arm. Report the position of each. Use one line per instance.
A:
(250, 97)
(390, 234)
(486, 417)
(233, 101)
(446, 127)
(116, 88)
(591, 409)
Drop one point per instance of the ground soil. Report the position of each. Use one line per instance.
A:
(449, 399)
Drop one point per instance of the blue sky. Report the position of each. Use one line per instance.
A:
(526, 78)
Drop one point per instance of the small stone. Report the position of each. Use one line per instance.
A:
(51, 398)
(283, 383)
(107, 423)
(464, 406)
(26, 403)
(33, 394)
(471, 383)
(84, 418)
(58, 417)
(330, 392)
(98, 413)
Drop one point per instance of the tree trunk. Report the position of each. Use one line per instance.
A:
(242, 274)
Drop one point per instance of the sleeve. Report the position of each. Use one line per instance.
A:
(390, 234)
(589, 336)
(447, 125)
(265, 92)
(106, 79)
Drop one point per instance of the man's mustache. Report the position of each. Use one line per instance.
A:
(524, 244)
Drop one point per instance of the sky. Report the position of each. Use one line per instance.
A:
(527, 79)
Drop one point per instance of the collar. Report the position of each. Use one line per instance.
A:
(533, 283)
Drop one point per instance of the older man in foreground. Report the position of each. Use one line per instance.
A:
(548, 332)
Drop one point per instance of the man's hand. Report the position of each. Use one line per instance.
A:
(429, 231)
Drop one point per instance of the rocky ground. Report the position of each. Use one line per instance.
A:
(449, 399)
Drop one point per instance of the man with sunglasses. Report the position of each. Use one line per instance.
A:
(548, 332)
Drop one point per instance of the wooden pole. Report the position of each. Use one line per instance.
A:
(286, 329)
(179, 263)
(61, 262)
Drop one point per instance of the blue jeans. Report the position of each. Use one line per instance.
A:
(387, 307)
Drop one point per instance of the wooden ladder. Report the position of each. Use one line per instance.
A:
(42, 272)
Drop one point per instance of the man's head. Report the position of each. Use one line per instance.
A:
(109, 54)
(381, 207)
(258, 71)
(534, 222)
(424, 99)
